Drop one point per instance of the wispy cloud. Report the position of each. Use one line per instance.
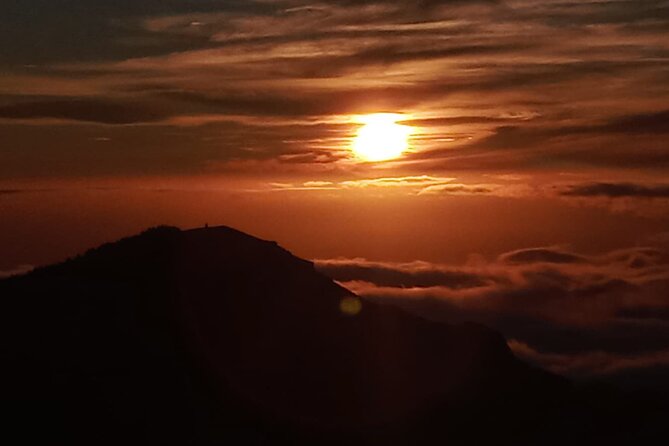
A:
(487, 84)
(649, 199)
(416, 185)
(19, 270)
(617, 190)
(419, 185)
(85, 110)
(410, 181)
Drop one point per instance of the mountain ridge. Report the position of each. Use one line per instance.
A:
(210, 334)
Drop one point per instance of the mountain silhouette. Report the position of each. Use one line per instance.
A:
(212, 336)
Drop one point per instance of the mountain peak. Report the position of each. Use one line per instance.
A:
(260, 330)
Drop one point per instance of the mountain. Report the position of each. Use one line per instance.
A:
(212, 336)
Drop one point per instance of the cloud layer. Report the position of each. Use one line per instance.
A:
(489, 85)
(577, 314)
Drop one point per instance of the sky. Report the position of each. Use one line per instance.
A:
(533, 195)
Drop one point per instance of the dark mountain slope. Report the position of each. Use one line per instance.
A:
(213, 336)
(276, 329)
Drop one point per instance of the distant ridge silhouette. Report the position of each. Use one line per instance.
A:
(210, 336)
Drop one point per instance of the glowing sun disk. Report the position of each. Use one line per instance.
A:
(381, 137)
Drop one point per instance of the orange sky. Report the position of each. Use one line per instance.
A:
(537, 162)
(233, 112)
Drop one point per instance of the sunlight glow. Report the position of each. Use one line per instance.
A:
(381, 137)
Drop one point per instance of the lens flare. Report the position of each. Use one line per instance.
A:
(350, 306)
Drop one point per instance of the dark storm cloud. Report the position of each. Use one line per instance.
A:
(550, 301)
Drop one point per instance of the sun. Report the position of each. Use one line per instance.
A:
(381, 138)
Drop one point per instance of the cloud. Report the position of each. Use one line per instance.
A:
(616, 190)
(417, 185)
(487, 84)
(574, 313)
(536, 255)
(19, 270)
(408, 181)
(318, 184)
(646, 199)
(406, 275)
(81, 31)
(24, 190)
(596, 363)
(538, 144)
(459, 189)
(641, 123)
(101, 111)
